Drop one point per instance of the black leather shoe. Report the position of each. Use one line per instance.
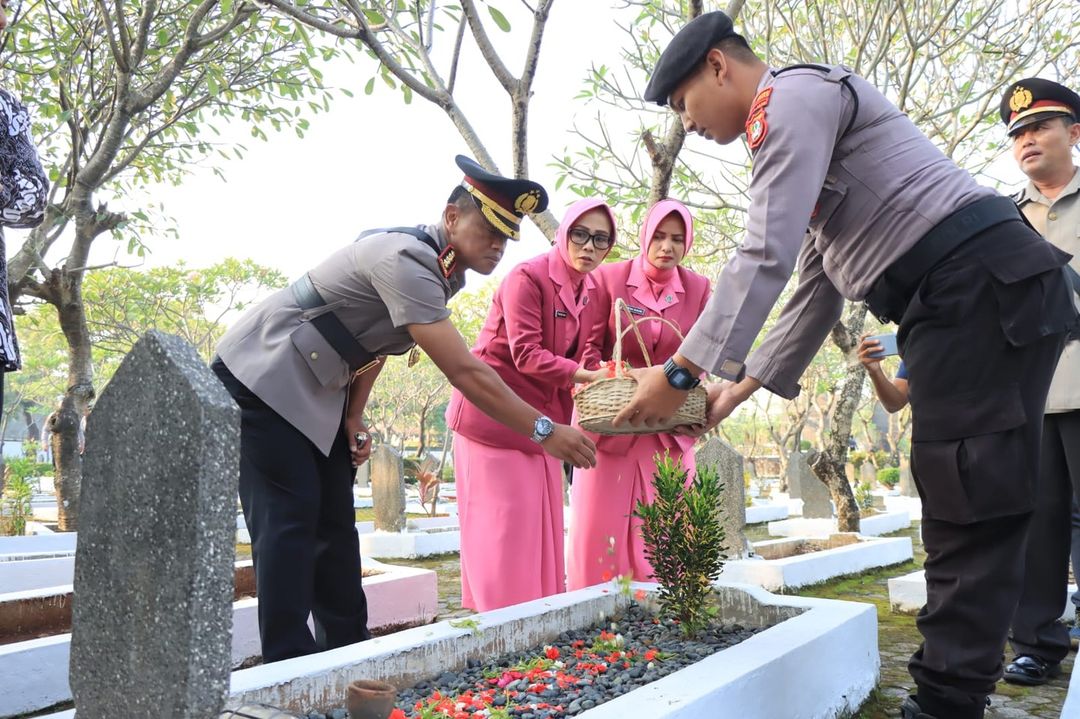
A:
(1031, 671)
(910, 709)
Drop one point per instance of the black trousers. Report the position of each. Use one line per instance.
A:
(298, 505)
(981, 337)
(1036, 629)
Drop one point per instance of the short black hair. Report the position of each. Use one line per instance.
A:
(736, 46)
(461, 198)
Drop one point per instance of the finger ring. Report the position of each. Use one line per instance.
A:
(361, 439)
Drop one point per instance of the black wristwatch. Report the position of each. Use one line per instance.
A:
(542, 429)
(679, 377)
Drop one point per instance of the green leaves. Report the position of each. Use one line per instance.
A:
(684, 541)
(499, 18)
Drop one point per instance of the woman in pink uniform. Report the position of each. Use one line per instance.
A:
(509, 491)
(605, 541)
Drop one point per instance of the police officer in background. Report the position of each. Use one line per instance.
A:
(301, 366)
(981, 301)
(1041, 121)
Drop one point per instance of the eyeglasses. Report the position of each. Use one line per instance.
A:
(600, 240)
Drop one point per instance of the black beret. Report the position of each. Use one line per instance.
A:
(502, 200)
(1032, 99)
(685, 51)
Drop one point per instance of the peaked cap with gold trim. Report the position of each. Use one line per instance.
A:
(502, 200)
(1033, 99)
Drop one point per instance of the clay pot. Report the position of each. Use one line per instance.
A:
(370, 699)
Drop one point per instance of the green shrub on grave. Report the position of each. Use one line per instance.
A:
(889, 476)
(684, 541)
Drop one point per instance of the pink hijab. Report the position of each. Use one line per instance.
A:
(564, 272)
(661, 279)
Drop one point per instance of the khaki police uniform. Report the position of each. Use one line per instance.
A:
(982, 306)
(1036, 630)
(289, 363)
(295, 468)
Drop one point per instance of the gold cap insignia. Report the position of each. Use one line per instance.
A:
(527, 202)
(1020, 99)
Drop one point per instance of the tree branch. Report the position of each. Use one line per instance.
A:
(487, 50)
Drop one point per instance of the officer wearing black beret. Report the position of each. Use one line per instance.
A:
(846, 189)
(301, 366)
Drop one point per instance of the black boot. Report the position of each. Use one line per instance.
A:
(910, 709)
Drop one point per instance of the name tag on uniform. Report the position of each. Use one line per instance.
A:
(635, 310)
(559, 314)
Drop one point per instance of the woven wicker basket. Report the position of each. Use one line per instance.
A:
(598, 402)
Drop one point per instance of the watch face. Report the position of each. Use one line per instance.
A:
(544, 426)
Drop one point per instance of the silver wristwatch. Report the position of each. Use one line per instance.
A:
(542, 429)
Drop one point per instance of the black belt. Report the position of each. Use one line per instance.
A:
(889, 295)
(330, 327)
(328, 324)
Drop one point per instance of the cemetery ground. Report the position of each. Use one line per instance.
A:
(897, 635)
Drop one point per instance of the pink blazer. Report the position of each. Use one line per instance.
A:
(534, 337)
(682, 306)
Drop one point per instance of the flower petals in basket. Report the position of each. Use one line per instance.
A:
(598, 402)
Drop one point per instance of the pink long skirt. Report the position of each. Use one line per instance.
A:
(511, 514)
(605, 539)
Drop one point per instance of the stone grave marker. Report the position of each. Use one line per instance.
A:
(363, 475)
(803, 484)
(729, 465)
(388, 488)
(152, 614)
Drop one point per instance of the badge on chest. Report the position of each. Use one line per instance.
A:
(561, 314)
(639, 311)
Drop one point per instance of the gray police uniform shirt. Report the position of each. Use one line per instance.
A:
(867, 195)
(1058, 220)
(376, 286)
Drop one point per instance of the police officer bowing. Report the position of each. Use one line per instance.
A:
(981, 301)
(301, 366)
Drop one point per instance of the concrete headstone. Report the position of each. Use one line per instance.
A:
(388, 488)
(152, 617)
(363, 475)
(729, 466)
(803, 484)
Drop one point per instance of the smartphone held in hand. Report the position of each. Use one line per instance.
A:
(888, 346)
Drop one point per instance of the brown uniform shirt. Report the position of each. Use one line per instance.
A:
(867, 194)
(1058, 220)
(376, 287)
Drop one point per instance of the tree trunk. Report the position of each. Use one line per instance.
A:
(783, 462)
(828, 465)
(67, 462)
(445, 452)
(423, 431)
(66, 289)
(3, 433)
